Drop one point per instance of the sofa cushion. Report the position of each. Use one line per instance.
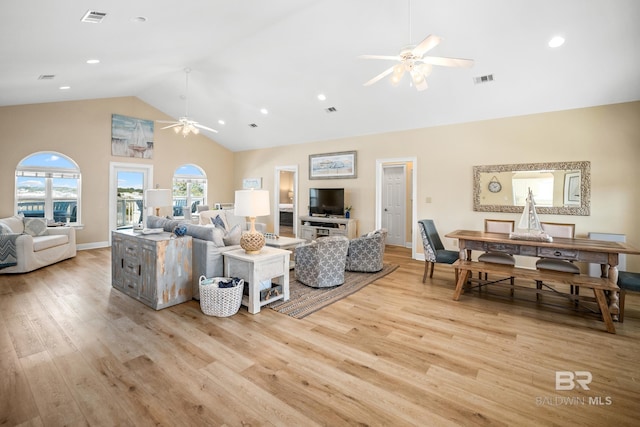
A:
(205, 232)
(35, 226)
(15, 222)
(41, 243)
(154, 221)
(232, 237)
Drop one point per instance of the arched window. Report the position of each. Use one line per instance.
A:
(189, 188)
(48, 186)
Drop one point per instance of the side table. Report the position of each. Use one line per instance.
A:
(288, 243)
(270, 263)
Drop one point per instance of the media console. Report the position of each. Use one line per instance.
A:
(312, 227)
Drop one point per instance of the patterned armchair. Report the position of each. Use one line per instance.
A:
(365, 253)
(321, 263)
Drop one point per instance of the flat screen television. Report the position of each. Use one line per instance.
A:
(326, 201)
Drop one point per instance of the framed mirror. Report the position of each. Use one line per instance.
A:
(560, 188)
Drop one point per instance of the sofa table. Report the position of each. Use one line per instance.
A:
(270, 263)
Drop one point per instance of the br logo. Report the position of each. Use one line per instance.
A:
(567, 380)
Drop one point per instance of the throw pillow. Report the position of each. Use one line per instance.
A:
(5, 229)
(35, 226)
(233, 236)
(218, 222)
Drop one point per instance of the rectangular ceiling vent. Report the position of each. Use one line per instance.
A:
(93, 17)
(253, 125)
(46, 77)
(483, 79)
(331, 109)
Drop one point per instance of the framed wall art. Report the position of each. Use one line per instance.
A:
(131, 137)
(333, 165)
(249, 183)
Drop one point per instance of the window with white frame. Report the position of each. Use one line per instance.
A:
(189, 189)
(48, 186)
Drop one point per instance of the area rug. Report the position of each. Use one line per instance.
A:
(304, 300)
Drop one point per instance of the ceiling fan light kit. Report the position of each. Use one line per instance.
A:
(413, 61)
(185, 125)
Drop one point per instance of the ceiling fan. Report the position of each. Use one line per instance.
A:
(413, 61)
(185, 125)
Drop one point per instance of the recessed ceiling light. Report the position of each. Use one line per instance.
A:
(65, 87)
(221, 122)
(139, 19)
(93, 61)
(556, 41)
(264, 111)
(322, 97)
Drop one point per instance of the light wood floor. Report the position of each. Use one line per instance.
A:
(74, 351)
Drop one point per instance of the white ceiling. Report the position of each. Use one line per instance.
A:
(280, 54)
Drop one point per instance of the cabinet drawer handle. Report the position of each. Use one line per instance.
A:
(557, 253)
(122, 263)
(139, 269)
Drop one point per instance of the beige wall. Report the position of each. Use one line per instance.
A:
(81, 130)
(607, 136)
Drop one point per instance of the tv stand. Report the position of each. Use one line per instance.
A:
(312, 227)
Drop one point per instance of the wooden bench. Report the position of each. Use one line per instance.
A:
(597, 284)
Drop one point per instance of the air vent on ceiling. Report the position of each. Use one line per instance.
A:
(331, 109)
(253, 125)
(46, 77)
(483, 79)
(93, 17)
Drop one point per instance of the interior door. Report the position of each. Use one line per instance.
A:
(394, 196)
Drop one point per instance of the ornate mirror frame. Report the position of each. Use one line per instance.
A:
(584, 208)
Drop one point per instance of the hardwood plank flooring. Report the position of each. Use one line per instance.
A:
(75, 351)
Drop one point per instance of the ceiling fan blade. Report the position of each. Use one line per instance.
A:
(448, 62)
(204, 127)
(419, 80)
(426, 45)
(171, 126)
(166, 121)
(379, 76)
(388, 57)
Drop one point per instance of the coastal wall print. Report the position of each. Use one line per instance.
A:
(131, 137)
(333, 165)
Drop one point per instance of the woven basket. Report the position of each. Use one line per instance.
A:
(220, 302)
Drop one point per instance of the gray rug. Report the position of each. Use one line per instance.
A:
(304, 300)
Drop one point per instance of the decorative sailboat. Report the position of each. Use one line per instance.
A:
(529, 221)
(138, 141)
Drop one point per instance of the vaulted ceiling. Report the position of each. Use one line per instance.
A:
(281, 54)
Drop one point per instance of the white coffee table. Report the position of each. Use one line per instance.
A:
(270, 263)
(288, 243)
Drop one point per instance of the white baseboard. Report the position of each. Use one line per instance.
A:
(94, 245)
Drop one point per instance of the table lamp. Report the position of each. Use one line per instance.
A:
(157, 198)
(252, 203)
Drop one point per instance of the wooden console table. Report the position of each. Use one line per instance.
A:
(600, 252)
(155, 269)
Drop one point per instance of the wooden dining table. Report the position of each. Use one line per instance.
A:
(605, 253)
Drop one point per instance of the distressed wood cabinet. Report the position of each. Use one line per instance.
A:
(154, 269)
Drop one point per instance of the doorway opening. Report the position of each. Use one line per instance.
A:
(285, 211)
(127, 182)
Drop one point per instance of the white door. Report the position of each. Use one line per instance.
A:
(394, 196)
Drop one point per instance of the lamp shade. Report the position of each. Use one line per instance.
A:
(252, 203)
(157, 197)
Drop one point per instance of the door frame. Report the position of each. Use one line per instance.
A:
(414, 192)
(403, 167)
(114, 168)
(276, 198)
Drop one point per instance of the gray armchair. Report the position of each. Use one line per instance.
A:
(365, 253)
(321, 263)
